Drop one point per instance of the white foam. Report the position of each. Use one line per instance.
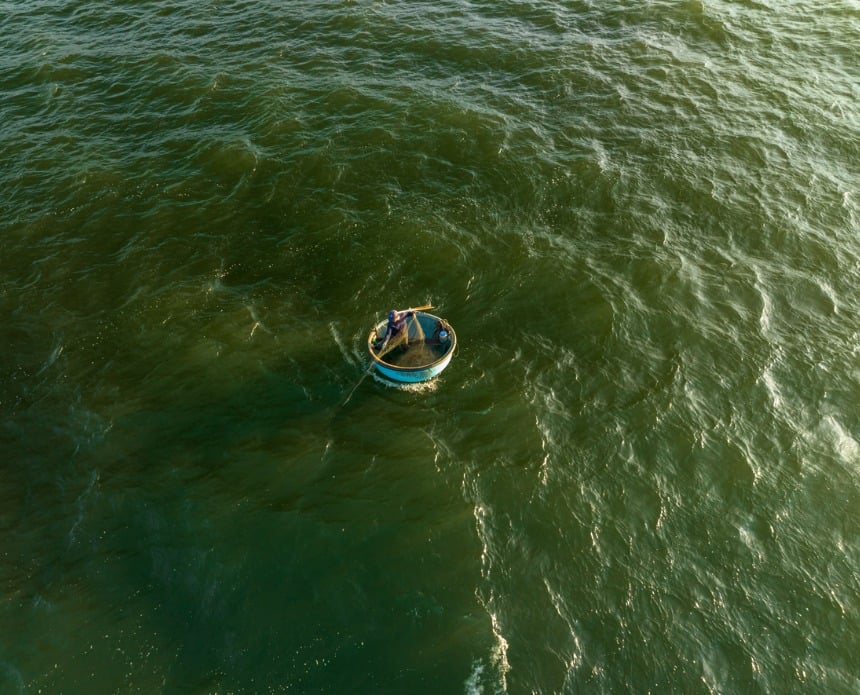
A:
(417, 387)
(472, 686)
(340, 344)
(500, 652)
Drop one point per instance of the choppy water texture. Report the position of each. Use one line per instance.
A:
(640, 473)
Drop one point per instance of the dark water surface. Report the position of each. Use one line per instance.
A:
(641, 471)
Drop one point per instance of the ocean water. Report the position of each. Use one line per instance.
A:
(640, 472)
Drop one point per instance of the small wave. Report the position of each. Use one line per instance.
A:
(53, 357)
(472, 686)
(499, 655)
(834, 436)
(80, 504)
(11, 679)
(419, 387)
(340, 344)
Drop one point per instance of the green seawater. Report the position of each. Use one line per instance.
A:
(640, 472)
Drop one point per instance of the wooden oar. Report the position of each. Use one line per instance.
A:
(357, 384)
(399, 340)
(394, 343)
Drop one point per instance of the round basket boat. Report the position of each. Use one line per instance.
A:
(426, 351)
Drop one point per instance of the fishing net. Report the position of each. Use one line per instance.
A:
(413, 347)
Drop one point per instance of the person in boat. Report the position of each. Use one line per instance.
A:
(396, 326)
